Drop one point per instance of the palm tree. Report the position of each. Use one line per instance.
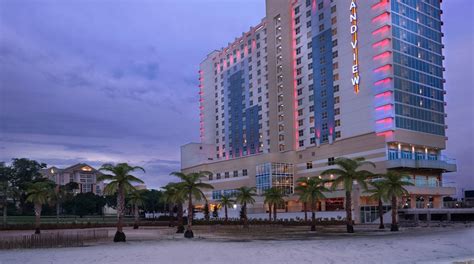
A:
(273, 196)
(393, 182)
(63, 192)
(347, 173)
(167, 199)
(177, 195)
(225, 202)
(378, 193)
(245, 196)
(136, 199)
(39, 193)
(310, 191)
(120, 182)
(193, 186)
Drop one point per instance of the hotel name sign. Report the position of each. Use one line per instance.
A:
(354, 45)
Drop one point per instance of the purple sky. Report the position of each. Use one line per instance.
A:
(111, 81)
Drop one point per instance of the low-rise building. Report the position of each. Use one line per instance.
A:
(82, 174)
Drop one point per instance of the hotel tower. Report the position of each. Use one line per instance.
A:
(322, 79)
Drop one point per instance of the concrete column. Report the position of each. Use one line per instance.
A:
(437, 202)
(323, 205)
(356, 203)
(413, 201)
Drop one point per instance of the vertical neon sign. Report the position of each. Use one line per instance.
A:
(355, 50)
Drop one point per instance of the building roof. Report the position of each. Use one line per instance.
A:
(77, 167)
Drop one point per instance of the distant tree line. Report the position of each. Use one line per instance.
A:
(22, 174)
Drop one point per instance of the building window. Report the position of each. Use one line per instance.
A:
(331, 161)
(226, 174)
(309, 165)
(244, 172)
(218, 176)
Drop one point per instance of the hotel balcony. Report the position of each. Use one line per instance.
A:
(440, 163)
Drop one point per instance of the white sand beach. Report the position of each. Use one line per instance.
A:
(422, 246)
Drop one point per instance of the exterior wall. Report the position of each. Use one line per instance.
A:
(193, 154)
(313, 111)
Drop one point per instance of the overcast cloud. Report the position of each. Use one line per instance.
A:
(110, 81)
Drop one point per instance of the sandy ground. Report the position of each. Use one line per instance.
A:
(428, 245)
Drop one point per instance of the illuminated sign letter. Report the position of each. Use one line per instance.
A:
(355, 51)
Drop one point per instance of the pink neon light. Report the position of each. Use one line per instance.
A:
(387, 120)
(381, 18)
(381, 30)
(313, 5)
(384, 68)
(380, 4)
(384, 94)
(386, 133)
(295, 93)
(383, 81)
(381, 43)
(387, 107)
(382, 55)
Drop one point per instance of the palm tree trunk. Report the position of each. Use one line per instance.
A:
(270, 211)
(381, 226)
(225, 212)
(5, 208)
(37, 218)
(120, 235)
(58, 208)
(180, 218)
(135, 225)
(349, 224)
(313, 218)
(171, 214)
(305, 208)
(189, 231)
(274, 212)
(244, 210)
(394, 226)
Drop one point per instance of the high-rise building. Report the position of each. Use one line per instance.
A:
(321, 79)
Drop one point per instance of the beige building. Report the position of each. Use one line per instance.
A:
(321, 79)
(82, 174)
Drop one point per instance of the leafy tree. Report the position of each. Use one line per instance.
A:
(193, 185)
(378, 194)
(310, 191)
(6, 190)
(215, 211)
(349, 171)
(84, 204)
(22, 172)
(273, 197)
(120, 182)
(137, 200)
(394, 184)
(244, 197)
(152, 201)
(225, 202)
(39, 194)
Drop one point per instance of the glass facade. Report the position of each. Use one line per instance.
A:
(279, 175)
(417, 66)
(322, 51)
(217, 194)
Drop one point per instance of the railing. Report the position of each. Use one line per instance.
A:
(51, 240)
